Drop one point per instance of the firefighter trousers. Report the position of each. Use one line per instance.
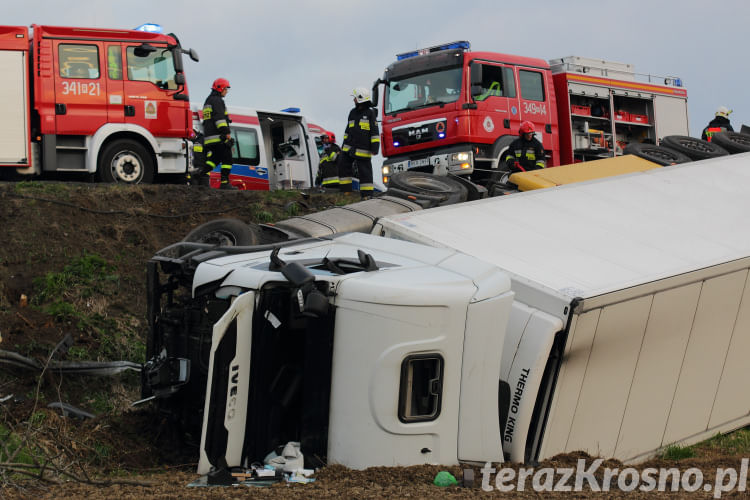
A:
(355, 168)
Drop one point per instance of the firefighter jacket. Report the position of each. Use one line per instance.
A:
(718, 124)
(362, 137)
(327, 169)
(529, 154)
(215, 119)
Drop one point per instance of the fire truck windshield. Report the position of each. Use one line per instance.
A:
(422, 90)
(156, 67)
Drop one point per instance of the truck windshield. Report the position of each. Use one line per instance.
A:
(157, 67)
(422, 90)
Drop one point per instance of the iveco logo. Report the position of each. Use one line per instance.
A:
(417, 132)
(234, 377)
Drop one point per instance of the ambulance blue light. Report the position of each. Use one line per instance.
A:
(150, 28)
(678, 82)
(290, 110)
(437, 48)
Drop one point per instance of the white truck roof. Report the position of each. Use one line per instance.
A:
(591, 238)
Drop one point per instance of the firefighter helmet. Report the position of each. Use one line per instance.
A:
(361, 94)
(526, 128)
(331, 137)
(723, 111)
(220, 84)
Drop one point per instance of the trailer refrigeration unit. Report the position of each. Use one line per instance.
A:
(609, 316)
(449, 110)
(99, 101)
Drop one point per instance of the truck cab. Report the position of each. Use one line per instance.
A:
(447, 109)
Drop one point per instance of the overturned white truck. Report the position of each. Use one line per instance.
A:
(611, 316)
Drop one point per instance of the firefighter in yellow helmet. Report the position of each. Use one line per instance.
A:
(720, 123)
(361, 142)
(217, 139)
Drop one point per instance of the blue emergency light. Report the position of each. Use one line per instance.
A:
(150, 28)
(290, 110)
(462, 44)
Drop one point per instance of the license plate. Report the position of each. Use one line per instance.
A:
(419, 163)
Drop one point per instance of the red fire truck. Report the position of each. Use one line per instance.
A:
(446, 109)
(100, 101)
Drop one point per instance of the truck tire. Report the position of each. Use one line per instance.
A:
(696, 149)
(657, 154)
(224, 232)
(734, 142)
(126, 161)
(449, 190)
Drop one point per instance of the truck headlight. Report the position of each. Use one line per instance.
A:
(460, 157)
(386, 170)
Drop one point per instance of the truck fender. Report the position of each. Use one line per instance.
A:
(102, 135)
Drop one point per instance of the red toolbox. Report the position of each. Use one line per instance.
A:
(580, 110)
(638, 118)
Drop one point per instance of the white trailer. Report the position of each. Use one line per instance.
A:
(609, 316)
(631, 318)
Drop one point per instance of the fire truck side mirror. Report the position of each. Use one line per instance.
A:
(476, 74)
(193, 55)
(143, 50)
(179, 78)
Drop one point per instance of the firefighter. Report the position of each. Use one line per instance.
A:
(201, 166)
(361, 142)
(526, 152)
(217, 139)
(719, 124)
(328, 169)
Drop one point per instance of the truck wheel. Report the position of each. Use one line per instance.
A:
(657, 154)
(734, 142)
(224, 232)
(696, 149)
(126, 161)
(421, 183)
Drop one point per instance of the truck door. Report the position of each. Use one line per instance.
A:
(115, 106)
(496, 99)
(80, 89)
(148, 89)
(534, 103)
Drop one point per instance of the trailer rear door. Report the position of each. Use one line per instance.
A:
(14, 107)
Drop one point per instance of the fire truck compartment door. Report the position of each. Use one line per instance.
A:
(13, 105)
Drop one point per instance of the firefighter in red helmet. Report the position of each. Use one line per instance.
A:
(327, 169)
(526, 152)
(217, 137)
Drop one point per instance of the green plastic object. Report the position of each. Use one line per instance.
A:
(445, 478)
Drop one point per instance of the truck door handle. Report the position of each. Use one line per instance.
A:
(129, 110)
(548, 128)
(60, 109)
(506, 123)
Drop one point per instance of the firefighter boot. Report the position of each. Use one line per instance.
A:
(225, 184)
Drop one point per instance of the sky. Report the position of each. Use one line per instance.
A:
(311, 54)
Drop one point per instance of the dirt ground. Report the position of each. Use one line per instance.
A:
(72, 262)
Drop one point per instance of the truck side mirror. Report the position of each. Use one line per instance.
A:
(376, 92)
(476, 79)
(179, 78)
(193, 55)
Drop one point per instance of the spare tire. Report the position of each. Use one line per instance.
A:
(224, 232)
(657, 154)
(448, 190)
(697, 149)
(734, 142)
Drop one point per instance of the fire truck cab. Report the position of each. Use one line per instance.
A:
(100, 101)
(449, 110)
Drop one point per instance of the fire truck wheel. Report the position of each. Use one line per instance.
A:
(657, 154)
(224, 232)
(734, 142)
(421, 183)
(126, 161)
(696, 149)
